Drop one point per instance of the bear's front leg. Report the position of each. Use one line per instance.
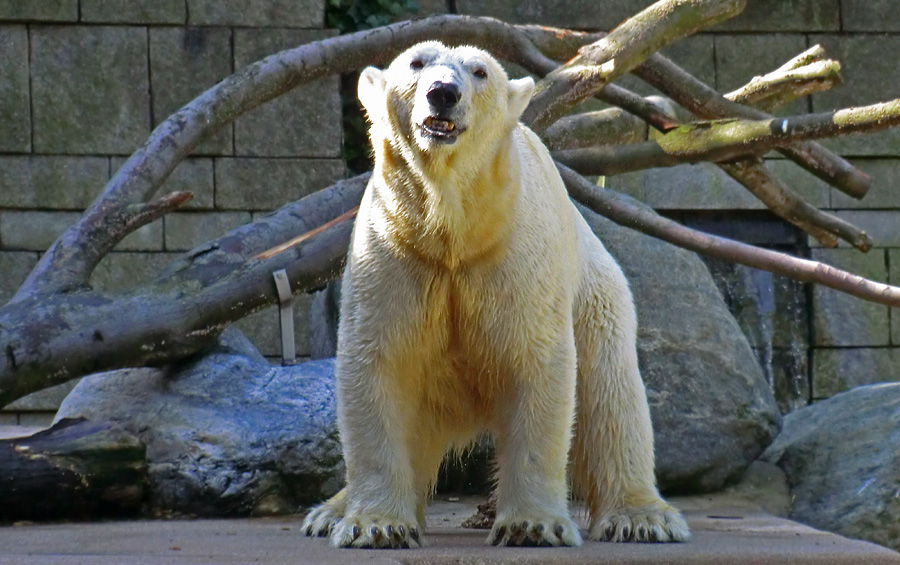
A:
(380, 499)
(532, 451)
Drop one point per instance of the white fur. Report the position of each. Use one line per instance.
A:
(475, 297)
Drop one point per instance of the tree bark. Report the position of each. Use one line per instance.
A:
(75, 470)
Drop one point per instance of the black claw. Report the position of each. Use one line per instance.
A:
(626, 533)
(375, 532)
(402, 531)
(559, 531)
(356, 531)
(539, 528)
(389, 530)
(414, 534)
(309, 530)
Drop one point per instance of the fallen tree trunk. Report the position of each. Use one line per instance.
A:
(75, 470)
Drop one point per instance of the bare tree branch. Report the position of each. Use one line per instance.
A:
(686, 90)
(731, 139)
(781, 87)
(631, 213)
(626, 47)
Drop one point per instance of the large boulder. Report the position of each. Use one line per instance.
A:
(713, 410)
(842, 461)
(228, 434)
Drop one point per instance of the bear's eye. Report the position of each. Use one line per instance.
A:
(480, 73)
(416, 64)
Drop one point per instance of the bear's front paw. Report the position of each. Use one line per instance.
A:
(376, 532)
(655, 523)
(544, 531)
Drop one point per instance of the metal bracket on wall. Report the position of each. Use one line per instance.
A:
(286, 313)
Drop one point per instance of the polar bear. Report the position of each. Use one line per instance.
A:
(477, 300)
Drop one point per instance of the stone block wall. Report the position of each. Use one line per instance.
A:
(85, 81)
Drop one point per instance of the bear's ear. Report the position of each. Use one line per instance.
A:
(520, 91)
(371, 89)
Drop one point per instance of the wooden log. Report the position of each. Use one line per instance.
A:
(77, 469)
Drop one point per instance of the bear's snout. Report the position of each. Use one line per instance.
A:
(442, 96)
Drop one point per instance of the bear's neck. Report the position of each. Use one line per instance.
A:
(453, 209)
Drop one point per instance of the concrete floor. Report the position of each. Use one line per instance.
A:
(726, 529)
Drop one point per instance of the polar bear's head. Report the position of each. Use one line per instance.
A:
(433, 98)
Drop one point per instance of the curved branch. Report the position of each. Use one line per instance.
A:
(635, 215)
(69, 262)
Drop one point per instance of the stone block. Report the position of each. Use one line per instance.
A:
(894, 279)
(881, 225)
(305, 122)
(32, 230)
(122, 271)
(870, 15)
(739, 58)
(15, 266)
(186, 230)
(263, 13)
(869, 77)
(51, 182)
(695, 54)
(15, 99)
(264, 328)
(47, 400)
(185, 62)
(578, 14)
(882, 194)
(267, 184)
(147, 238)
(194, 175)
(134, 11)
(841, 320)
(705, 186)
(39, 10)
(786, 15)
(839, 370)
(90, 92)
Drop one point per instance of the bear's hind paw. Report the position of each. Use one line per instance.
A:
(655, 523)
(376, 532)
(320, 521)
(538, 532)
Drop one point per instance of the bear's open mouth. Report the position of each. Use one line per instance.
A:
(440, 129)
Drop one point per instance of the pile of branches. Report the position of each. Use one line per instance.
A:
(57, 327)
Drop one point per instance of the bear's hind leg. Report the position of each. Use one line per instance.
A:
(612, 452)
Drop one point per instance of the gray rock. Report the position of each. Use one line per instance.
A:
(228, 434)
(841, 457)
(713, 411)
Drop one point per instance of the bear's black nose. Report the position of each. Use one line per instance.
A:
(442, 95)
